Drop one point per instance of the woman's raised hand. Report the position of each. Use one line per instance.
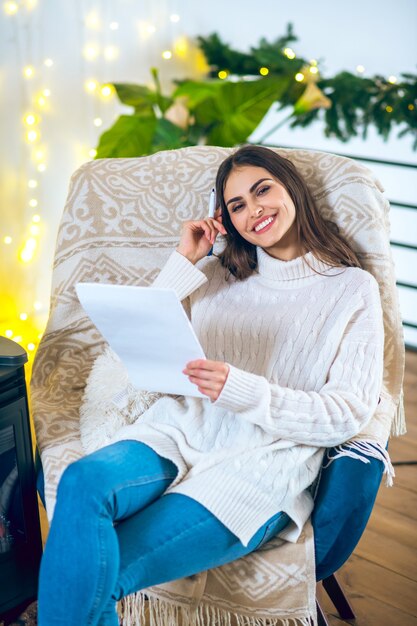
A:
(198, 237)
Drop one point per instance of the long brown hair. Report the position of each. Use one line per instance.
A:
(317, 235)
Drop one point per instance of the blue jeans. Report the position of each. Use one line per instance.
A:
(114, 532)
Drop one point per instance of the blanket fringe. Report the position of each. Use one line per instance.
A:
(356, 448)
(398, 424)
(140, 609)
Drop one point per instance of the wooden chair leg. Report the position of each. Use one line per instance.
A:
(337, 596)
(321, 617)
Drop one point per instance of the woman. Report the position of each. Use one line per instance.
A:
(292, 330)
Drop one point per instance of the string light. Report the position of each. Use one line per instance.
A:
(106, 90)
(90, 85)
(23, 316)
(289, 53)
(111, 53)
(92, 153)
(392, 80)
(98, 121)
(167, 54)
(48, 63)
(223, 74)
(314, 69)
(32, 183)
(174, 18)
(360, 69)
(91, 52)
(7, 240)
(264, 71)
(30, 119)
(389, 109)
(8, 333)
(93, 21)
(46, 93)
(37, 305)
(41, 101)
(31, 346)
(114, 25)
(299, 77)
(32, 135)
(10, 8)
(411, 107)
(39, 155)
(34, 230)
(33, 203)
(41, 167)
(26, 255)
(36, 218)
(28, 71)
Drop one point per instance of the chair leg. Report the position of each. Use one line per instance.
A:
(321, 617)
(337, 596)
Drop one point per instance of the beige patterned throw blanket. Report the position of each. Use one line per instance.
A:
(121, 221)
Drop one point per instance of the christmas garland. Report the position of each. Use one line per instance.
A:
(230, 104)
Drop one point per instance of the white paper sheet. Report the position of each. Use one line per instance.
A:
(150, 332)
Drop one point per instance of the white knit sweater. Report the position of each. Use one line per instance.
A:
(305, 352)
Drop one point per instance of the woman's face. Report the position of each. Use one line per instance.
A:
(262, 211)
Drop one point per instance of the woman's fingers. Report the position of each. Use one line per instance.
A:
(209, 376)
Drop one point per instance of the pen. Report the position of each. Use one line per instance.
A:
(211, 209)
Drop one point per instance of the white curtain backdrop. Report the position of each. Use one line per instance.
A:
(72, 45)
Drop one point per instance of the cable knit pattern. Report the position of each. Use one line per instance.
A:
(304, 342)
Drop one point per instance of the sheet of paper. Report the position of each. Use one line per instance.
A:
(150, 332)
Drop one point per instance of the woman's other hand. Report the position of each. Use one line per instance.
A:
(209, 376)
(198, 237)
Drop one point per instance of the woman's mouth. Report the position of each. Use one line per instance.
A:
(264, 225)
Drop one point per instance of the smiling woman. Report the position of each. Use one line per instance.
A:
(265, 202)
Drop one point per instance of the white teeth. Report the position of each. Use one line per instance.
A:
(263, 224)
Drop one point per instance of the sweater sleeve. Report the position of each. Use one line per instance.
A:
(181, 275)
(336, 412)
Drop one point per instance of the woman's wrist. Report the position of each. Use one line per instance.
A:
(187, 255)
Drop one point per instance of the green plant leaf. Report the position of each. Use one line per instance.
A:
(197, 93)
(234, 112)
(168, 136)
(130, 136)
(142, 98)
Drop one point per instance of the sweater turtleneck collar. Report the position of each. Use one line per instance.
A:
(278, 270)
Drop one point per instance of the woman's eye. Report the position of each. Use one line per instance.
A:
(236, 207)
(263, 190)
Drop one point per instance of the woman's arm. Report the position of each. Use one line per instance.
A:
(336, 412)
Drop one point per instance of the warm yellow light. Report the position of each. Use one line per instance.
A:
(289, 53)
(7, 240)
(167, 54)
(106, 90)
(28, 71)
(17, 339)
(114, 25)
(98, 121)
(39, 155)
(31, 4)
(34, 230)
(222, 74)
(23, 316)
(46, 93)
(181, 47)
(93, 21)
(150, 28)
(264, 71)
(360, 69)
(30, 119)
(90, 52)
(411, 107)
(10, 8)
(9, 333)
(32, 183)
(392, 80)
(41, 101)
(36, 218)
(37, 305)
(174, 18)
(90, 85)
(48, 62)
(299, 77)
(92, 153)
(111, 53)
(313, 62)
(26, 255)
(389, 109)
(33, 202)
(41, 167)
(145, 29)
(314, 69)
(31, 346)
(32, 135)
